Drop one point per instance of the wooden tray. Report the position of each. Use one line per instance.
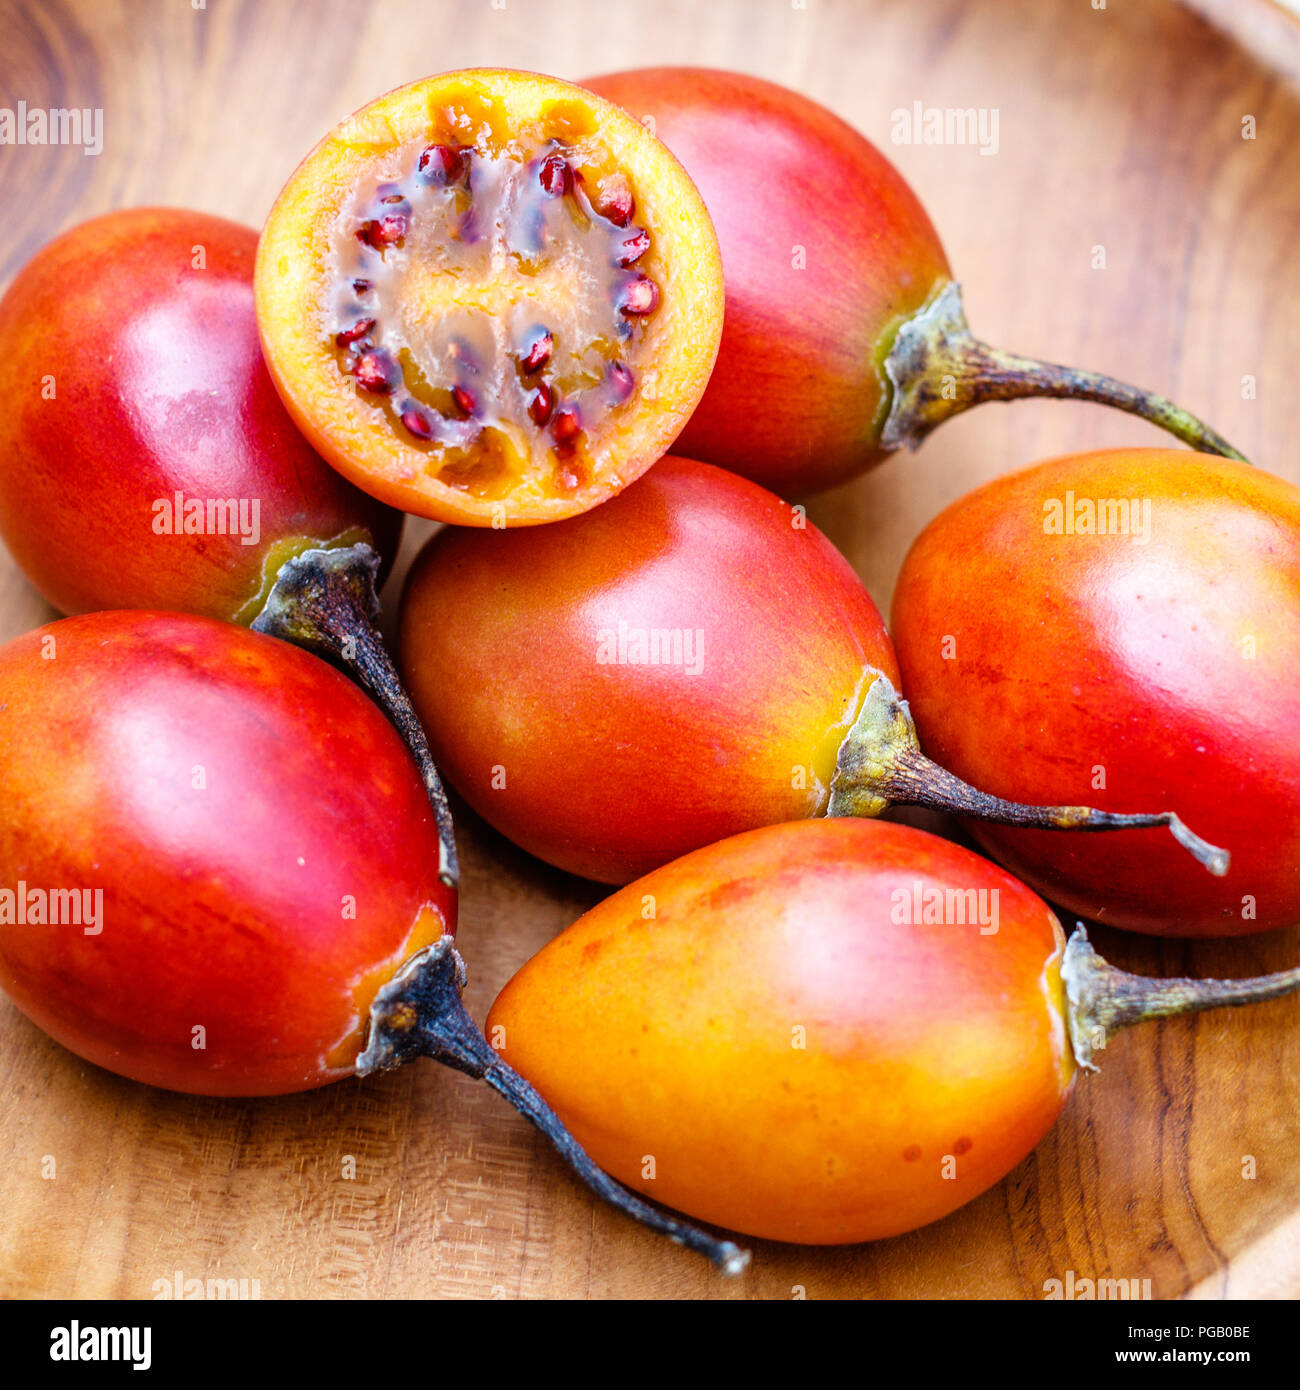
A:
(1119, 128)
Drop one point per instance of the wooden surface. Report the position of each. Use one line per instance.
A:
(1119, 128)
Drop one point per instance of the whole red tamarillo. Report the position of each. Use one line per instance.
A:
(1128, 622)
(687, 661)
(219, 873)
(825, 1031)
(147, 462)
(844, 336)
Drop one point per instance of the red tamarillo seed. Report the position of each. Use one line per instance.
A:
(556, 175)
(442, 164)
(539, 351)
(634, 248)
(384, 231)
(375, 372)
(621, 380)
(540, 405)
(617, 204)
(567, 425)
(417, 421)
(345, 336)
(640, 297)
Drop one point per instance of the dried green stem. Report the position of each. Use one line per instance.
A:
(937, 368)
(880, 764)
(1104, 999)
(419, 1013)
(326, 600)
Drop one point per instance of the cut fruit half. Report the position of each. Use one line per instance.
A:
(490, 298)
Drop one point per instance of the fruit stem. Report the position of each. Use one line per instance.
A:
(420, 1013)
(880, 764)
(1104, 999)
(938, 368)
(326, 600)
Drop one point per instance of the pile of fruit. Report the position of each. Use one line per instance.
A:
(497, 300)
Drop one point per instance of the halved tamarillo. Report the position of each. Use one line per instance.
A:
(1128, 622)
(490, 297)
(218, 865)
(147, 461)
(844, 336)
(690, 660)
(825, 1031)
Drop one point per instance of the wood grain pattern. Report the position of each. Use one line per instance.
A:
(1118, 128)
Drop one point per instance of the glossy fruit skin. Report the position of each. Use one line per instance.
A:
(509, 648)
(160, 388)
(798, 1061)
(1074, 652)
(296, 270)
(262, 839)
(825, 249)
